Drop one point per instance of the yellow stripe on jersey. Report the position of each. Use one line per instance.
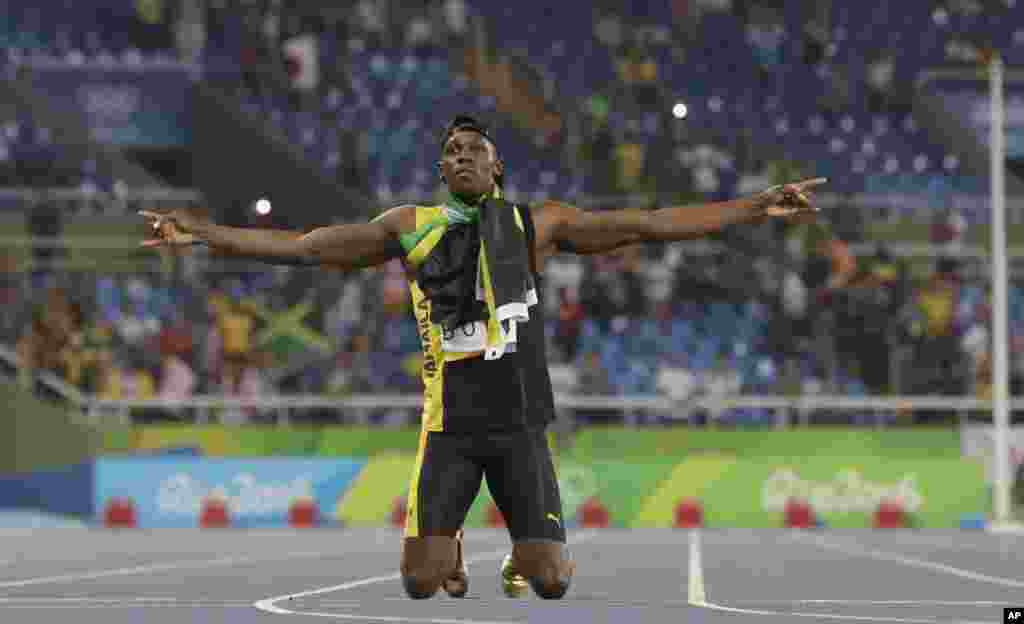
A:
(412, 504)
(432, 371)
(431, 223)
(519, 218)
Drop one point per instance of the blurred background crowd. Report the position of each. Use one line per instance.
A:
(666, 102)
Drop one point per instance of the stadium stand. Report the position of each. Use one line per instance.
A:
(767, 87)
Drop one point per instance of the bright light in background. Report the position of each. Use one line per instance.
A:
(680, 110)
(262, 206)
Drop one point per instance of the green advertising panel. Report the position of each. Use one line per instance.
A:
(845, 492)
(621, 487)
(613, 443)
(590, 445)
(742, 478)
(371, 498)
(261, 441)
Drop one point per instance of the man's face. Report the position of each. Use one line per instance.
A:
(469, 163)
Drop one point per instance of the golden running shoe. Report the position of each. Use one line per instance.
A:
(513, 583)
(457, 584)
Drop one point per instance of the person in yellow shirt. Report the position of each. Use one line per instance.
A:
(940, 363)
(937, 300)
(236, 327)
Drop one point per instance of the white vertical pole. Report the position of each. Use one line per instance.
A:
(1000, 370)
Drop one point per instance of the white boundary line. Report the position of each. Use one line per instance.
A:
(269, 605)
(697, 596)
(889, 603)
(909, 561)
(1011, 528)
(155, 567)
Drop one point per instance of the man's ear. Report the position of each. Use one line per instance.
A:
(499, 167)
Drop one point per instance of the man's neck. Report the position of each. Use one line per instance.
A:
(470, 200)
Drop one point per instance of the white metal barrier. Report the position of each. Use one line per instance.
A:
(787, 409)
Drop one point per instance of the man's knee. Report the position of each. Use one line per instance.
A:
(426, 562)
(551, 575)
(420, 586)
(550, 587)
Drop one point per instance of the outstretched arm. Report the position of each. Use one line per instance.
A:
(568, 228)
(350, 246)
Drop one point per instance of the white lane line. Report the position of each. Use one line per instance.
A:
(824, 616)
(269, 605)
(84, 599)
(27, 531)
(697, 596)
(1007, 529)
(883, 603)
(72, 600)
(153, 568)
(909, 561)
(125, 605)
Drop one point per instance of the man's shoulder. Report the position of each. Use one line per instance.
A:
(398, 210)
(401, 219)
(549, 204)
(549, 209)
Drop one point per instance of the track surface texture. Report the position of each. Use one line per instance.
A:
(633, 576)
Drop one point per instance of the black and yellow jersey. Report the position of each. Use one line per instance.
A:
(463, 392)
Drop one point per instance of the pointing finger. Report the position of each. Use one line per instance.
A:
(809, 184)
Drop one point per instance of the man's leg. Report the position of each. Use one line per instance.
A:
(426, 563)
(521, 477)
(456, 584)
(444, 484)
(547, 566)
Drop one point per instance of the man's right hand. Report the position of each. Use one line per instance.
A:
(176, 228)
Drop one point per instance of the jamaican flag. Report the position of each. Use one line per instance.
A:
(287, 333)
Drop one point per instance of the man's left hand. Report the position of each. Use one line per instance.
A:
(789, 200)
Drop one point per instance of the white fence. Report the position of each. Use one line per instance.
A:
(787, 410)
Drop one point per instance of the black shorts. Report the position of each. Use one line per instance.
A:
(520, 475)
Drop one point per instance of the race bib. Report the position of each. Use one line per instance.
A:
(465, 339)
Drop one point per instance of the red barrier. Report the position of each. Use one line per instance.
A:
(592, 514)
(799, 514)
(890, 515)
(214, 514)
(120, 514)
(689, 514)
(303, 514)
(399, 511)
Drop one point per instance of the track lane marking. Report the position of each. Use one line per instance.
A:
(697, 596)
(883, 603)
(695, 592)
(923, 564)
(157, 567)
(269, 605)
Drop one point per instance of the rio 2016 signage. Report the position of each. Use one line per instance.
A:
(171, 492)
